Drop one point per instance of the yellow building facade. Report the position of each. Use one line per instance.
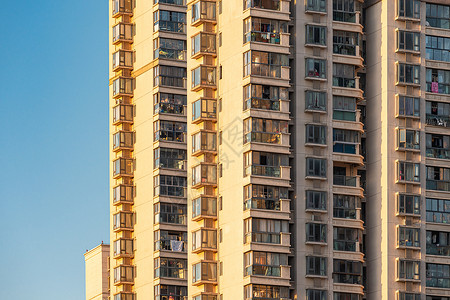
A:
(279, 149)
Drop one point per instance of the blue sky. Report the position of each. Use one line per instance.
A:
(54, 138)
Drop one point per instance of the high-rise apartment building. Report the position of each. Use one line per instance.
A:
(239, 158)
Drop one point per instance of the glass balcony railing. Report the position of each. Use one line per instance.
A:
(171, 2)
(344, 148)
(438, 120)
(262, 37)
(170, 108)
(344, 246)
(263, 270)
(263, 237)
(162, 80)
(170, 54)
(344, 82)
(262, 137)
(258, 103)
(264, 4)
(438, 282)
(433, 249)
(170, 245)
(438, 153)
(438, 185)
(344, 115)
(171, 273)
(344, 49)
(347, 278)
(257, 203)
(171, 26)
(344, 16)
(269, 171)
(344, 180)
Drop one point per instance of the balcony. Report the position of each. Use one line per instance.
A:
(122, 33)
(122, 59)
(273, 38)
(438, 185)
(263, 237)
(204, 110)
(122, 113)
(123, 140)
(204, 207)
(172, 245)
(169, 26)
(169, 81)
(121, 7)
(123, 194)
(171, 272)
(203, 77)
(122, 86)
(170, 108)
(123, 167)
(435, 249)
(281, 172)
(203, 12)
(170, 54)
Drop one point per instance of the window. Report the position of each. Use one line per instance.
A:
(316, 35)
(408, 269)
(344, 108)
(204, 141)
(408, 204)
(315, 68)
(345, 141)
(408, 139)
(408, 236)
(316, 167)
(123, 274)
(264, 96)
(170, 213)
(408, 40)
(438, 16)
(438, 81)
(316, 134)
(408, 9)
(203, 43)
(167, 185)
(438, 179)
(344, 75)
(438, 210)
(316, 5)
(437, 114)
(165, 103)
(408, 106)
(264, 263)
(438, 275)
(123, 193)
(316, 232)
(346, 296)
(204, 206)
(316, 200)
(438, 48)
(316, 266)
(170, 268)
(125, 296)
(408, 171)
(265, 64)
(408, 74)
(438, 243)
(122, 58)
(123, 247)
(123, 6)
(164, 20)
(122, 113)
(204, 271)
(123, 167)
(169, 76)
(203, 75)
(347, 271)
(264, 30)
(169, 131)
(204, 239)
(438, 146)
(345, 239)
(264, 230)
(345, 206)
(264, 163)
(344, 11)
(169, 49)
(264, 130)
(123, 220)
(122, 32)
(265, 292)
(123, 139)
(170, 158)
(316, 101)
(409, 296)
(264, 196)
(175, 241)
(345, 42)
(203, 10)
(123, 85)
(172, 292)
(316, 294)
(204, 174)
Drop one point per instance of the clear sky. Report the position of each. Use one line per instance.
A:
(54, 138)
